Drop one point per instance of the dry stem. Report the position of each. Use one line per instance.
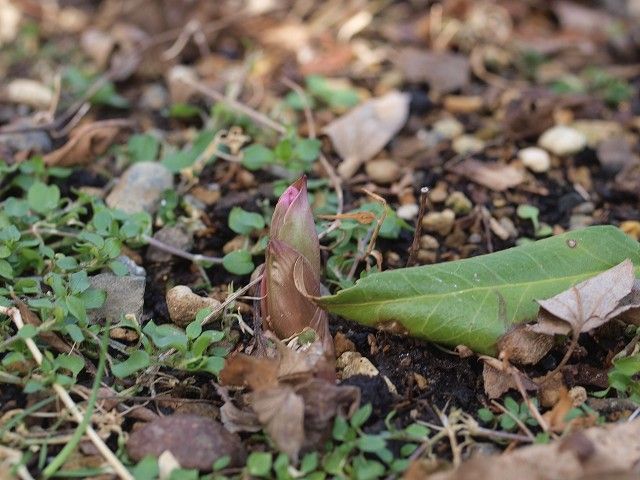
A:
(108, 455)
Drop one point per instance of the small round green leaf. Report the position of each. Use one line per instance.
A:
(238, 262)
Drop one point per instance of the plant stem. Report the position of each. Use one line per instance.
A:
(109, 456)
(62, 456)
(194, 257)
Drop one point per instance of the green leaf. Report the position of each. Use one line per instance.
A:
(193, 330)
(485, 415)
(473, 302)
(371, 443)
(143, 147)
(238, 262)
(138, 360)
(166, 336)
(79, 281)
(256, 156)
(6, 270)
(243, 222)
(77, 308)
(43, 198)
(361, 416)
(259, 464)
(119, 268)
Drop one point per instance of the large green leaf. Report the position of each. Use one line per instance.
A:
(475, 301)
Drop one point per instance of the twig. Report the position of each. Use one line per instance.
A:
(72, 444)
(108, 455)
(230, 299)
(235, 105)
(194, 257)
(415, 244)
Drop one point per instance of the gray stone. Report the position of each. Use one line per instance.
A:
(579, 221)
(172, 236)
(195, 441)
(125, 295)
(140, 188)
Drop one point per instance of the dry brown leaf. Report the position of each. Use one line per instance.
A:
(444, 72)
(602, 453)
(555, 417)
(281, 412)
(361, 133)
(499, 377)
(493, 175)
(591, 303)
(294, 397)
(85, 143)
(521, 345)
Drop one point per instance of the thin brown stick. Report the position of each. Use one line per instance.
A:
(108, 455)
(194, 257)
(235, 105)
(415, 244)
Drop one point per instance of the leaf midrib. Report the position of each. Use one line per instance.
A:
(474, 289)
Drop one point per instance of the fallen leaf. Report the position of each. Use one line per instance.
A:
(499, 377)
(85, 143)
(444, 72)
(555, 417)
(195, 442)
(281, 412)
(589, 304)
(361, 133)
(521, 345)
(604, 452)
(493, 175)
(294, 397)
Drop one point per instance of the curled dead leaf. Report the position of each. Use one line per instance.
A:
(493, 175)
(499, 377)
(591, 303)
(361, 133)
(85, 143)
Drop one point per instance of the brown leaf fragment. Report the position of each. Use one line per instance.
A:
(521, 345)
(493, 175)
(499, 378)
(85, 143)
(589, 304)
(615, 454)
(443, 71)
(281, 412)
(195, 442)
(361, 133)
(50, 338)
(555, 417)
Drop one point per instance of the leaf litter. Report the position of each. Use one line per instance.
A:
(501, 74)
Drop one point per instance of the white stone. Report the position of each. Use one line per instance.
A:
(448, 128)
(562, 141)
(408, 212)
(535, 159)
(467, 144)
(382, 171)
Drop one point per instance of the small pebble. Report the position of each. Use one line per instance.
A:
(467, 144)
(183, 304)
(584, 208)
(140, 188)
(426, 257)
(631, 228)
(448, 128)
(428, 242)
(352, 363)
(408, 212)
(382, 171)
(562, 140)
(535, 159)
(578, 221)
(172, 236)
(459, 203)
(439, 222)
(439, 193)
